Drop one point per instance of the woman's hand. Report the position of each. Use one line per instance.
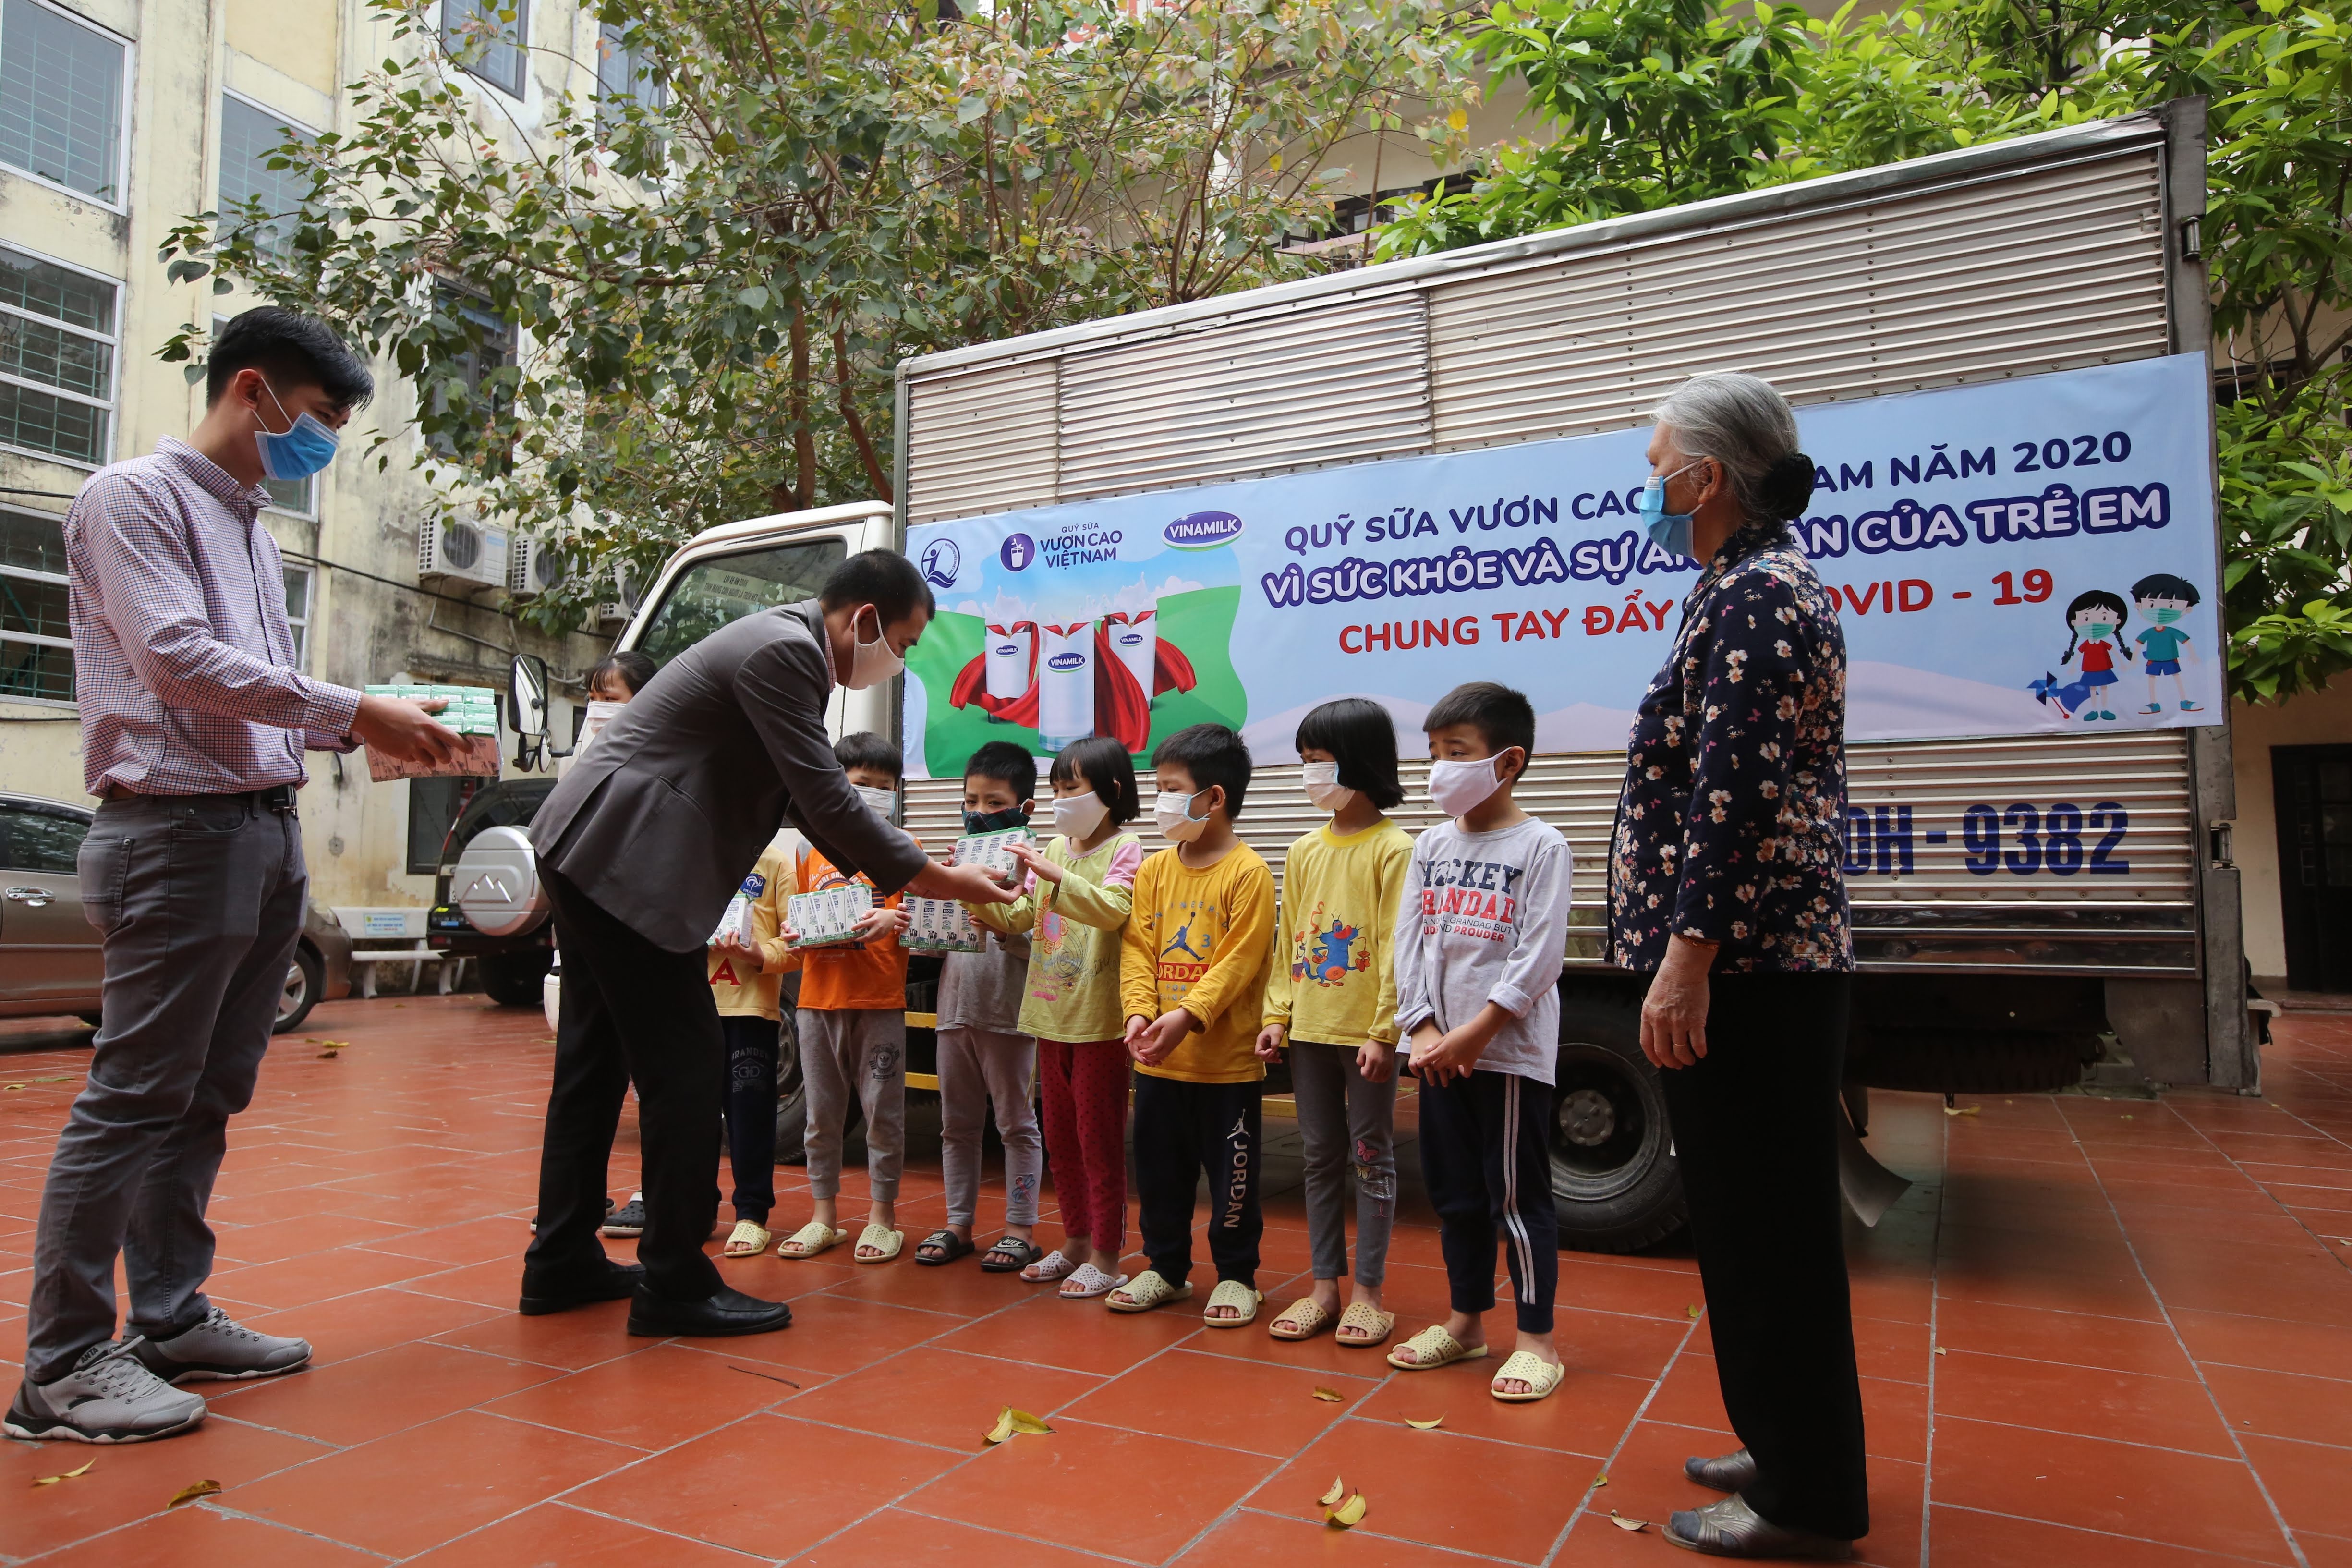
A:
(1044, 868)
(1270, 1041)
(1673, 1013)
(1376, 1061)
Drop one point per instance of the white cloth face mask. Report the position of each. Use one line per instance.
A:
(1459, 786)
(883, 801)
(870, 663)
(1321, 783)
(1076, 817)
(1174, 814)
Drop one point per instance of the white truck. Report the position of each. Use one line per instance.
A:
(2050, 255)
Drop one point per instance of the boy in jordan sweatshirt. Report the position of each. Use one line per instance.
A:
(1192, 978)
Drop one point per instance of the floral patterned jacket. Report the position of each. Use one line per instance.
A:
(1730, 826)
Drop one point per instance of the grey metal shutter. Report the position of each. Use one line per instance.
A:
(1341, 382)
(981, 441)
(2017, 275)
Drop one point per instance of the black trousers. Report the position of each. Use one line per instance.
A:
(1180, 1131)
(631, 1010)
(752, 1054)
(1755, 1126)
(1485, 1157)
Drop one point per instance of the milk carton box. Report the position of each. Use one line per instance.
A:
(993, 850)
(938, 925)
(829, 916)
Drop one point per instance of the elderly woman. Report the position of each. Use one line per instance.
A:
(1725, 888)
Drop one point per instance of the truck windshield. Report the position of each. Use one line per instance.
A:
(709, 594)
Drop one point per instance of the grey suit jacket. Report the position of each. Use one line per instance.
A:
(667, 812)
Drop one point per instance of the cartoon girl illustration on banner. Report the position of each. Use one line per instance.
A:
(2095, 618)
(2163, 600)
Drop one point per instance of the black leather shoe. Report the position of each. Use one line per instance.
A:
(541, 1297)
(723, 1312)
(1732, 1529)
(1728, 1473)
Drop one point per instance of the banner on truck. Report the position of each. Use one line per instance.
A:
(2020, 557)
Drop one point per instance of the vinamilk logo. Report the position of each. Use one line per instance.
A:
(1203, 531)
(1066, 661)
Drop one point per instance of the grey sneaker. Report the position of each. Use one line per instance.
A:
(108, 1397)
(220, 1347)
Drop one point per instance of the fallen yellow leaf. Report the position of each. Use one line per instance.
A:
(1939, 1350)
(1622, 1523)
(1598, 1481)
(1010, 1422)
(1338, 1489)
(1424, 1425)
(53, 1480)
(1962, 1109)
(1328, 1396)
(1350, 1512)
(1693, 1311)
(191, 1491)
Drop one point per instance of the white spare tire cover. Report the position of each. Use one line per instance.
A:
(496, 885)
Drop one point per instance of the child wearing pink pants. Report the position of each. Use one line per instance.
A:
(1072, 913)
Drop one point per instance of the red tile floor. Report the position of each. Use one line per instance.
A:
(2097, 1332)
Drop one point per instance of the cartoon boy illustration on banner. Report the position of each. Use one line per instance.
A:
(2163, 601)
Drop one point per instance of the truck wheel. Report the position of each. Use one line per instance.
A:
(1614, 1178)
(513, 979)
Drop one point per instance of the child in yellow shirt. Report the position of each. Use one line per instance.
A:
(1331, 1002)
(1192, 965)
(746, 977)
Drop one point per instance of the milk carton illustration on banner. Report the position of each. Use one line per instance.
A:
(1011, 663)
(1135, 638)
(1065, 684)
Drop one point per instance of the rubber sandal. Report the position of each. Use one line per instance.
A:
(1234, 1294)
(1087, 1282)
(1051, 1267)
(1433, 1347)
(950, 1247)
(748, 1239)
(1302, 1320)
(1370, 1327)
(1147, 1290)
(811, 1239)
(1010, 1253)
(1541, 1377)
(885, 1241)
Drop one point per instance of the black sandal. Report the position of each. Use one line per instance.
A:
(1010, 1254)
(951, 1247)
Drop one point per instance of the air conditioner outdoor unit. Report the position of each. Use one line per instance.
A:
(534, 565)
(462, 552)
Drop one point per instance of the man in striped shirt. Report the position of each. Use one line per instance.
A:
(194, 719)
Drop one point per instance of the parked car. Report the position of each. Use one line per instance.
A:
(50, 958)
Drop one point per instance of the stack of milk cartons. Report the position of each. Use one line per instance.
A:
(938, 925)
(829, 916)
(471, 711)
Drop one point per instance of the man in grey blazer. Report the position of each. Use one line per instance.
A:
(640, 846)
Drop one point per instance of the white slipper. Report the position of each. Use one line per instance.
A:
(1052, 1267)
(1087, 1281)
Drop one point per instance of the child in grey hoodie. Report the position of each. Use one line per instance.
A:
(1480, 933)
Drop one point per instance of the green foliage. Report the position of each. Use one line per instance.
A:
(710, 287)
(1651, 103)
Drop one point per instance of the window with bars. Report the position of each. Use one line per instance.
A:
(56, 358)
(488, 37)
(624, 76)
(61, 95)
(36, 641)
(301, 581)
(493, 350)
(250, 139)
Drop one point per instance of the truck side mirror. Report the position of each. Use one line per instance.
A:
(527, 706)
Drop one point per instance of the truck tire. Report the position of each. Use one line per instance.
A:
(1614, 1182)
(514, 979)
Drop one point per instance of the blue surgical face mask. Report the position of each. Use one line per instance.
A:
(1669, 530)
(299, 451)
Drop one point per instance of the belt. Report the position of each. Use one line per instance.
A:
(276, 797)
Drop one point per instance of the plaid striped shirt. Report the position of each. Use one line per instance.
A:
(183, 664)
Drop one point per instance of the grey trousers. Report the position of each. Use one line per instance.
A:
(860, 1051)
(976, 1067)
(200, 901)
(1347, 1123)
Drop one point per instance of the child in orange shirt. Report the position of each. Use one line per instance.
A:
(852, 1034)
